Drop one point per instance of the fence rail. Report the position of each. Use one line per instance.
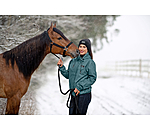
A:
(138, 68)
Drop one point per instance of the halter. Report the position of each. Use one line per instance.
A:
(64, 48)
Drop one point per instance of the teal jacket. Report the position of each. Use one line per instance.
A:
(81, 73)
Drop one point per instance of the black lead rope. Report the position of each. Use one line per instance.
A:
(65, 49)
(70, 90)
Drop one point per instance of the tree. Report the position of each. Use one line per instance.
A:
(14, 29)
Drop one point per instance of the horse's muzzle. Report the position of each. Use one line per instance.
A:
(75, 54)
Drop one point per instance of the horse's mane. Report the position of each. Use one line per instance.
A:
(28, 55)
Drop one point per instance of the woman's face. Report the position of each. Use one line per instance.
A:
(83, 49)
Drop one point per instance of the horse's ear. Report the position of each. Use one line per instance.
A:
(51, 27)
(55, 25)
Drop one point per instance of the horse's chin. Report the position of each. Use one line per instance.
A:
(72, 55)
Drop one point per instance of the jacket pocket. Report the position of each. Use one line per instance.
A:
(83, 70)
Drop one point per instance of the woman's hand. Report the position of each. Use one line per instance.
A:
(76, 91)
(60, 63)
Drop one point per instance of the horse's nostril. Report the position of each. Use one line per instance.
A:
(77, 51)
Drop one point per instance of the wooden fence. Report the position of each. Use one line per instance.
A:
(137, 68)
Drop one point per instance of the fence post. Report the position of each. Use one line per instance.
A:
(140, 68)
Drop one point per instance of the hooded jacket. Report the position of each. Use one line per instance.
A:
(81, 73)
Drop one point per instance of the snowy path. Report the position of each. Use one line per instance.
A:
(110, 96)
(121, 96)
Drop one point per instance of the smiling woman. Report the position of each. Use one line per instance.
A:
(82, 75)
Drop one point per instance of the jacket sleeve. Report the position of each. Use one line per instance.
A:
(90, 80)
(65, 72)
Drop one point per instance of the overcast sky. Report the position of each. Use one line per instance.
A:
(133, 41)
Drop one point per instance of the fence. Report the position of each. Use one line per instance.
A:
(137, 68)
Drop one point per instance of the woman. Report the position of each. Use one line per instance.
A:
(81, 74)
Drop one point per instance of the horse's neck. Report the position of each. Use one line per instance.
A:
(35, 56)
(28, 55)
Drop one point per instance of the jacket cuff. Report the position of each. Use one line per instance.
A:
(79, 88)
(62, 67)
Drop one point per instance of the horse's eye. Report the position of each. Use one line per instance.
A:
(59, 38)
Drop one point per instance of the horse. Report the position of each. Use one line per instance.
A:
(18, 64)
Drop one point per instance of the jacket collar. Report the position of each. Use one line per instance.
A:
(86, 56)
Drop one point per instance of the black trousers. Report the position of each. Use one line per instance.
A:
(83, 101)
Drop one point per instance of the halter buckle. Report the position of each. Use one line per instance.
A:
(65, 48)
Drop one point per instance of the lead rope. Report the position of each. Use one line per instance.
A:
(65, 49)
(70, 90)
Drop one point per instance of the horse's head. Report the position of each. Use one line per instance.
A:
(60, 44)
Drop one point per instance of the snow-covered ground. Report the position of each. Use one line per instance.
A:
(114, 95)
(49, 99)
(121, 95)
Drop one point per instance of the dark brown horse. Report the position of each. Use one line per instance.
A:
(18, 64)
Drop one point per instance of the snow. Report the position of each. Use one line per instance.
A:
(49, 99)
(120, 96)
(110, 96)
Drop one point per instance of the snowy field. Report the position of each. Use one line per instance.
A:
(121, 96)
(110, 96)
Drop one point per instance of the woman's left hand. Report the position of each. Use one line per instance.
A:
(76, 91)
(60, 63)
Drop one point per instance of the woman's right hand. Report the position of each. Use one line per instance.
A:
(60, 63)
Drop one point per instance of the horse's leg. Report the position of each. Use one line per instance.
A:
(13, 104)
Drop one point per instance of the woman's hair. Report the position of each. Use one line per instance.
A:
(91, 54)
(87, 43)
